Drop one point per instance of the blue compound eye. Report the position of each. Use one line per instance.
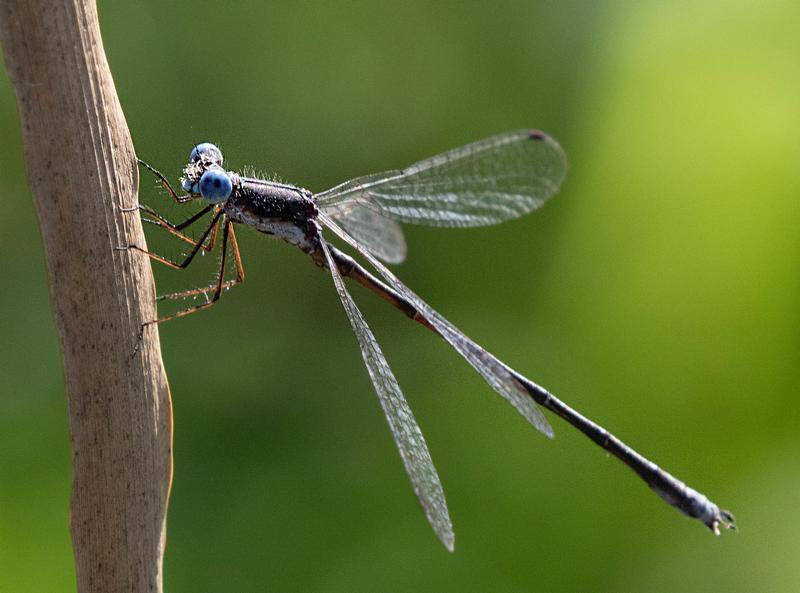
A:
(208, 151)
(215, 186)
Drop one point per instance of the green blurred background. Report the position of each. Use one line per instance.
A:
(658, 294)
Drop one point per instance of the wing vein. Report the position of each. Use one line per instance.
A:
(405, 430)
(486, 182)
(493, 371)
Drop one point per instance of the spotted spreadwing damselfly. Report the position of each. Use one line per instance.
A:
(483, 183)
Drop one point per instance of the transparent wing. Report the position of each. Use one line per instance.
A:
(482, 183)
(494, 372)
(406, 432)
(381, 236)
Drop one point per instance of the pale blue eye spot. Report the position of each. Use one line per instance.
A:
(215, 186)
(189, 186)
(208, 151)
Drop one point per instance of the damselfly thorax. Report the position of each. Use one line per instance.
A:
(285, 211)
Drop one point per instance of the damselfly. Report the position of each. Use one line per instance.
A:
(487, 182)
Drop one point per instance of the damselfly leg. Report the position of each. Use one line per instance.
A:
(226, 284)
(165, 183)
(206, 242)
(175, 229)
(214, 289)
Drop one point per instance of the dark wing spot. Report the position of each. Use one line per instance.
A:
(536, 135)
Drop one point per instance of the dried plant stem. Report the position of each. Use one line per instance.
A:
(82, 170)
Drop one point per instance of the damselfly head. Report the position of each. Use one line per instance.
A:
(206, 151)
(215, 185)
(204, 176)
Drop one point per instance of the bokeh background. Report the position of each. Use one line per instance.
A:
(658, 294)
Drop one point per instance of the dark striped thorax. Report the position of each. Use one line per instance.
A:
(278, 209)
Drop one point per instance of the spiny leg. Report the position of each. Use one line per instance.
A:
(176, 229)
(190, 257)
(212, 287)
(217, 287)
(165, 182)
(172, 264)
(163, 222)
